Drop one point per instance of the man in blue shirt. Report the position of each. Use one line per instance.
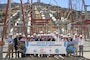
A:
(10, 45)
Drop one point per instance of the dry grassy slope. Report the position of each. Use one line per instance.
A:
(15, 6)
(3, 9)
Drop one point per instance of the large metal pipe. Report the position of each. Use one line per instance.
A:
(23, 17)
(4, 30)
(9, 26)
(5, 19)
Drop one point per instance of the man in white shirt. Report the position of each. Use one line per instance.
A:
(76, 41)
(81, 45)
(10, 45)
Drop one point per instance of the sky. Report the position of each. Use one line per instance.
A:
(62, 3)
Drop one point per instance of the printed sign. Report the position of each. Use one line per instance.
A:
(46, 47)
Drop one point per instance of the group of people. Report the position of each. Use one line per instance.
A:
(18, 43)
(77, 41)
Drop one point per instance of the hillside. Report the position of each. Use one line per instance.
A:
(2, 6)
(59, 11)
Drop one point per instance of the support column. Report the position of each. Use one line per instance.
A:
(9, 26)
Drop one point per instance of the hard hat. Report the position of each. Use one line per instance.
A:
(76, 34)
(20, 33)
(49, 31)
(38, 35)
(16, 34)
(80, 35)
(61, 34)
(41, 31)
(56, 32)
(28, 36)
(23, 35)
(34, 34)
(65, 36)
(31, 35)
(69, 36)
(48, 34)
(10, 34)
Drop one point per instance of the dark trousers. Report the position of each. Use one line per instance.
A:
(81, 50)
(23, 51)
(22, 54)
(17, 52)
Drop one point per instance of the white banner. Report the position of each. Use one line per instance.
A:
(46, 47)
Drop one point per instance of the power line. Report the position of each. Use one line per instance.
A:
(56, 2)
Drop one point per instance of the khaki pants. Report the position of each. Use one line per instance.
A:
(76, 48)
(10, 50)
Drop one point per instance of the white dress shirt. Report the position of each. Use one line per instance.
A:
(81, 41)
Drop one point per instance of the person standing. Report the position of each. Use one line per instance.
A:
(76, 41)
(22, 45)
(28, 38)
(35, 38)
(10, 45)
(20, 36)
(81, 45)
(61, 37)
(16, 43)
(70, 46)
